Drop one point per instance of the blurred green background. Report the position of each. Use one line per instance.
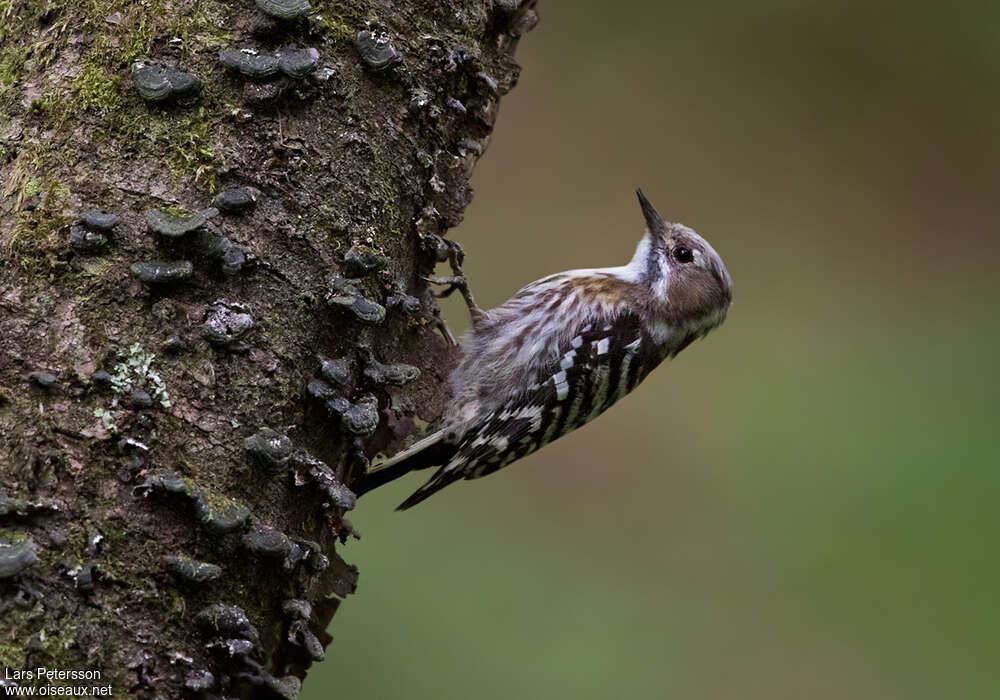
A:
(804, 504)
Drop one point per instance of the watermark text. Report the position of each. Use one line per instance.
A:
(53, 682)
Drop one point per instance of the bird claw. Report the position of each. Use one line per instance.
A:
(453, 284)
(456, 256)
(456, 282)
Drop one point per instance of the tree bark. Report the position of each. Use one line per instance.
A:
(187, 394)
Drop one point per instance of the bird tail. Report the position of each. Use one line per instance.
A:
(442, 477)
(423, 454)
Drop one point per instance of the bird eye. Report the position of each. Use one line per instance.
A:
(683, 254)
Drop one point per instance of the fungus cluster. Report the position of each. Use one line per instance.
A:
(374, 45)
(295, 63)
(89, 234)
(160, 83)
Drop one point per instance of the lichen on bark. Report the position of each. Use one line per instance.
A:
(191, 413)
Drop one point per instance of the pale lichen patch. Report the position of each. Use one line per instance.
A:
(135, 371)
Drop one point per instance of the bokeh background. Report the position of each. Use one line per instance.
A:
(806, 503)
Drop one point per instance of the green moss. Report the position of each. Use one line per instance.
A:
(114, 535)
(189, 146)
(23, 48)
(76, 544)
(335, 27)
(31, 188)
(339, 22)
(102, 89)
(97, 89)
(93, 270)
(215, 501)
(36, 232)
(13, 535)
(199, 30)
(12, 655)
(132, 34)
(183, 137)
(42, 106)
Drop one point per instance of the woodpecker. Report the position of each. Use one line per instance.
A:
(562, 350)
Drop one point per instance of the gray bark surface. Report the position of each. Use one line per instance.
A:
(176, 457)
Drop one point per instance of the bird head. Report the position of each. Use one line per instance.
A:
(687, 280)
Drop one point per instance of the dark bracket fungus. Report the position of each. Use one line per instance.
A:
(375, 48)
(236, 200)
(274, 452)
(83, 577)
(233, 258)
(342, 497)
(89, 233)
(21, 508)
(286, 687)
(316, 561)
(269, 449)
(176, 226)
(284, 9)
(381, 375)
(255, 64)
(298, 63)
(171, 482)
(308, 468)
(347, 530)
(344, 294)
(99, 220)
(234, 648)
(42, 378)
(86, 240)
(17, 552)
(222, 516)
(295, 609)
(363, 260)
(230, 256)
(320, 390)
(219, 514)
(470, 146)
(489, 82)
(193, 571)
(141, 400)
(300, 635)
(271, 543)
(341, 372)
(358, 418)
(227, 620)
(346, 582)
(199, 680)
(252, 63)
(406, 303)
(163, 272)
(226, 323)
(156, 83)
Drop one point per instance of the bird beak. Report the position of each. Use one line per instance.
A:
(654, 222)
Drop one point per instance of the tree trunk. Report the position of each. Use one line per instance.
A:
(189, 387)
